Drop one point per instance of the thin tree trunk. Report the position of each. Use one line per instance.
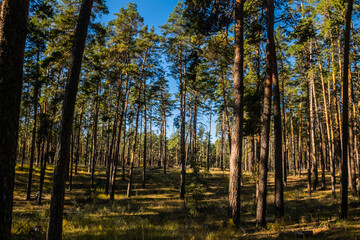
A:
(78, 143)
(33, 139)
(351, 160)
(145, 137)
(312, 149)
(23, 152)
(129, 188)
(182, 130)
(328, 128)
(94, 144)
(114, 162)
(322, 140)
(71, 160)
(164, 143)
(300, 140)
(209, 139)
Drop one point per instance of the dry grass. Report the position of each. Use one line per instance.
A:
(157, 213)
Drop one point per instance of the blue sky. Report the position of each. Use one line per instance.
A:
(155, 13)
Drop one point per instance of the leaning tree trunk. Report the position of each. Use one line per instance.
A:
(265, 128)
(54, 230)
(237, 130)
(345, 132)
(13, 20)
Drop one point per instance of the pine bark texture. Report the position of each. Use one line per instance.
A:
(345, 124)
(54, 231)
(265, 135)
(13, 21)
(237, 129)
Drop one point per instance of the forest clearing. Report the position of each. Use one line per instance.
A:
(179, 119)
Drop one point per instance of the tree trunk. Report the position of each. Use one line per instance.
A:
(164, 142)
(94, 144)
(78, 143)
(54, 231)
(312, 150)
(209, 141)
(237, 130)
(300, 141)
(265, 128)
(182, 130)
(33, 138)
(328, 126)
(71, 160)
(129, 188)
(345, 132)
(145, 137)
(113, 137)
(23, 152)
(13, 21)
(322, 140)
(114, 162)
(279, 187)
(351, 159)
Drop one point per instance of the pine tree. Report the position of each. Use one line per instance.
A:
(13, 23)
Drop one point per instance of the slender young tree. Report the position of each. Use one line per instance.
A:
(54, 231)
(13, 21)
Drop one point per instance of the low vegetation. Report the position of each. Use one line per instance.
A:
(157, 213)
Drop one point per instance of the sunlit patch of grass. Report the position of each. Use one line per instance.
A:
(156, 212)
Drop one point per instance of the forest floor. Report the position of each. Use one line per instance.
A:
(156, 212)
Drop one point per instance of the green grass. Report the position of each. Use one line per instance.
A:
(156, 212)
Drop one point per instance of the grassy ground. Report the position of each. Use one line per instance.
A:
(157, 213)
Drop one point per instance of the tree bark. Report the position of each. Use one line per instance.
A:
(345, 124)
(265, 128)
(208, 143)
(237, 130)
(279, 184)
(328, 126)
(182, 129)
(345, 132)
(54, 231)
(13, 21)
(33, 137)
(95, 130)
